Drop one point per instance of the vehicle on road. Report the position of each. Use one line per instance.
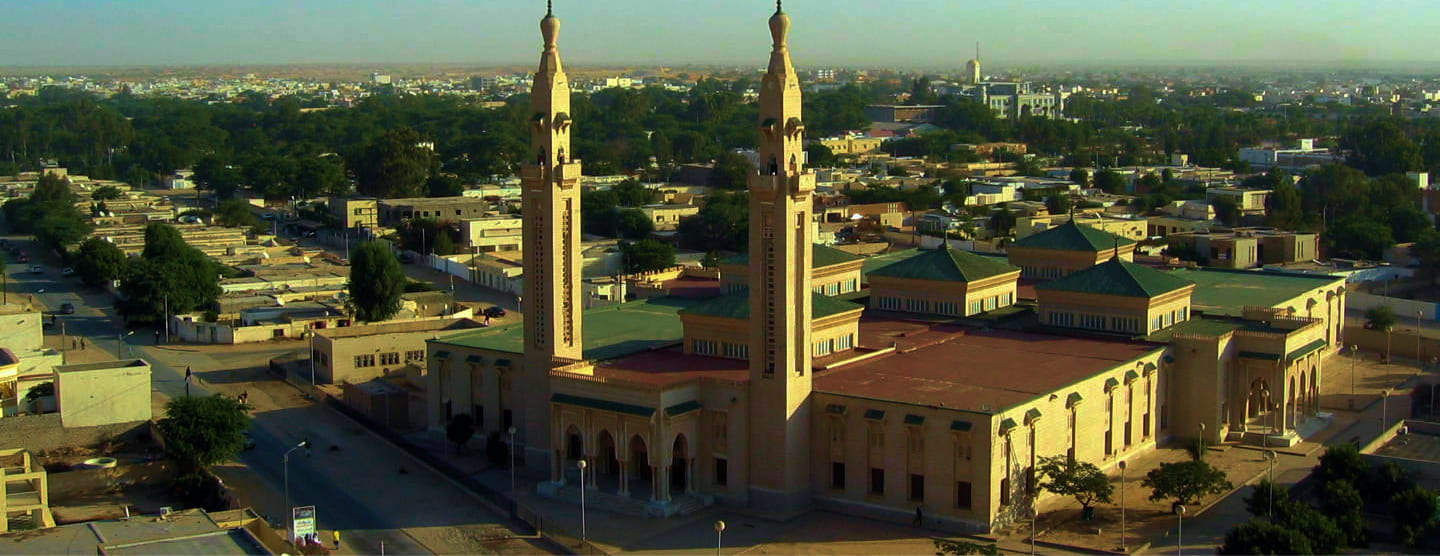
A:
(407, 258)
(494, 311)
(67, 271)
(37, 269)
(24, 258)
(249, 440)
(67, 308)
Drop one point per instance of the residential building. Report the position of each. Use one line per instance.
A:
(356, 212)
(24, 489)
(832, 272)
(1244, 248)
(395, 211)
(852, 145)
(356, 354)
(493, 233)
(668, 217)
(1250, 202)
(103, 392)
(1162, 225)
(1298, 159)
(894, 113)
(1128, 228)
(192, 531)
(946, 282)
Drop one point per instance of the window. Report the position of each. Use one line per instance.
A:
(963, 495)
(417, 355)
(392, 358)
(704, 347)
(737, 351)
(837, 475)
(877, 481)
(1005, 491)
(917, 487)
(367, 360)
(722, 472)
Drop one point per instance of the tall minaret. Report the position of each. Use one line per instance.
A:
(972, 68)
(550, 192)
(780, 247)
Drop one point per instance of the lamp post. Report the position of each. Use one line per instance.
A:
(512, 460)
(1034, 513)
(312, 357)
(120, 342)
(1384, 409)
(1180, 530)
(1202, 441)
(1419, 333)
(286, 459)
(719, 530)
(1270, 456)
(1353, 349)
(582, 464)
(1122, 507)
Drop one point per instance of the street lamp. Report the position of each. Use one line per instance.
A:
(120, 342)
(1384, 408)
(1419, 333)
(719, 530)
(581, 464)
(1180, 530)
(512, 461)
(1270, 456)
(312, 357)
(1202, 441)
(1034, 513)
(1122, 507)
(303, 444)
(1353, 349)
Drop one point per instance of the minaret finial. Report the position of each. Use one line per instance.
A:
(778, 9)
(549, 7)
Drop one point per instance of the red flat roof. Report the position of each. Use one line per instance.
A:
(671, 366)
(975, 369)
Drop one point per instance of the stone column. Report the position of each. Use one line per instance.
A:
(655, 482)
(624, 478)
(690, 475)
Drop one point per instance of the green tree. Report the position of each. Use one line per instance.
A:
(105, 193)
(1359, 237)
(235, 213)
(1002, 221)
(169, 276)
(647, 255)
(1080, 176)
(460, 430)
(1110, 181)
(950, 547)
(631, 193)
(444, 185)
(376, 282)
(1342, 503)
(321, 176)
(1342, 462)
(820, 156)
(201, 431)
(1286, 210)
(61, 227)
(100, 262)
(1186, 482)
(1080, 480)
(634, 224)
(395, 165)
(732, 171)
(1413, 512)
(1226, 211)
(1379, 318)
(1263, 537)
(1058, 203)
(721, 225)
(1381, 147)
(1262, 499)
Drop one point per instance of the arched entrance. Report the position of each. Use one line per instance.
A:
(606, 459)
(639, 459)
(679, 465)
(1302, 407)
(574, 444)
(1256, 400)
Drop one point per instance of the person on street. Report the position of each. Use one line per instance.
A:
(919, 517)
(82, 344)
(337, 539)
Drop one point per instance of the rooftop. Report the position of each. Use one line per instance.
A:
(609, 332)
(1228, 292)
(974, 370)
(821, 257)
(99, 365)
(398, 327)
(737, 306)
(878, 262)
(947, 264)
(1072, 236)
(1117, 277)
(671, 366)
(183, 532)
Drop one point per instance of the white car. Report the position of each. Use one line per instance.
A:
(37, 269)
(67, 271)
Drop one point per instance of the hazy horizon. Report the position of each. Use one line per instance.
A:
(915, 34)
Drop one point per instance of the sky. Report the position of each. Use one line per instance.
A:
(858, 33)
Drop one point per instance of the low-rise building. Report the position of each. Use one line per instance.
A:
(1244, 248)
(946, 282)
(1249, 202)
(852, 145)
(357, 354)
(492, 233)
(668, 217)
(394, 211)
(356, 212)
(833, 272)
(103, 392)
(24, 489)
(1128, 228)
(1067, 248)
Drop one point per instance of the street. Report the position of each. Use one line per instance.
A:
(359, 483)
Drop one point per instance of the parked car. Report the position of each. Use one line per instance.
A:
(67, 271)
(494, 312)
(24, 258)
(37, 269)
(249, 440)
(67, 309)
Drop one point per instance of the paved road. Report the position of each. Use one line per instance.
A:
(365, 488)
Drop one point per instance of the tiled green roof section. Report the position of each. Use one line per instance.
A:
(949, 265)
(610, 332)
(1117, 277)
(1197, 327)
(1304, 350)
(682, 408)
(737, 306)
(1228, 292)
(603, 405)
(821, 256)
(1073, 237)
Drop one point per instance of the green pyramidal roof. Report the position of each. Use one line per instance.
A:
(1117, 277)
(948, 265)
(1071, 236)
(821, 256)
(737, 306)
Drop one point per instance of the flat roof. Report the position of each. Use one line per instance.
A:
(98, 365)
(974, 370)
(609, 332)
(670, 366)
(1228, 292)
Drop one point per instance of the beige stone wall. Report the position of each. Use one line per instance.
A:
(831, 280)
(106, 395)
(726, 337)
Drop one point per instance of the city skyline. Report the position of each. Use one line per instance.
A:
(917, 34)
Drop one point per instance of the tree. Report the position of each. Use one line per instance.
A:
(170, 276)
(1359, 237)
(1263, 537)
(61, 227)
(1285, 210)
(1186, 482)
(647, 255)
(820, 156)
(1002, 221)
(1080, 480)
(1058, 203)
(1381, 147)
(1261, 500)
(321, 175)
(201, 431)
(732, 171)
(100, 262)
(634, 224)
(1413, 512)
(1226, 211)
(460, 430)
(444, 185)
(1342, 503)
(1110, 181)
(630, 193)
(395, 165)
(1081, 177)
(235, 213)
(1377, 318)
(105, 193)
(376, 282)
(721, 225)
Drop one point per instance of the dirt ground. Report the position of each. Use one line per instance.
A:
(82, 495)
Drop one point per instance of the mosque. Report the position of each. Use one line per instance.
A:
(932, 379)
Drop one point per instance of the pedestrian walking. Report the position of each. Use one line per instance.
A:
(919, 517)
(337, 539)
(74, 343)
(82, 344)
